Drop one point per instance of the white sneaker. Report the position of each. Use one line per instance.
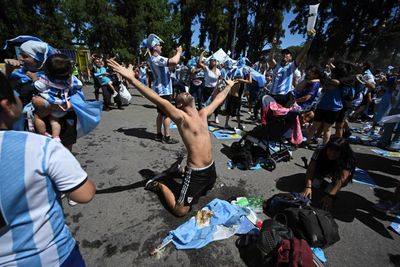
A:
(62, 196)
(72, 203)
(115, 94)
(216, 120)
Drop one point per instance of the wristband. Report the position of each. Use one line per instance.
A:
(308, 187)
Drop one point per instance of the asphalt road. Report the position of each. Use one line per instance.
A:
(124, 222)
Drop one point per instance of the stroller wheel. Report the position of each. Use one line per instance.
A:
(270, 164)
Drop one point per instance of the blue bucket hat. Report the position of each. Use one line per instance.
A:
(151, 41)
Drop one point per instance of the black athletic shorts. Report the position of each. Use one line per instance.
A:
(167, 97)
(233, 105)
(196, 184)
(327, 116)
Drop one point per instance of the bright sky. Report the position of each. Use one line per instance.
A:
(288, 40)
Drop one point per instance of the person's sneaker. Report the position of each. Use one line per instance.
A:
(72, 203)
(169, 140)
(62, 196)
(115, 94)
(216, 120)
(151, 185)
(159, 138)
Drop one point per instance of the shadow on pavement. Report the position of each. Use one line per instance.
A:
(347, 207)
(373, 162)
(395, 259)
(145, 106)
(137, 132)
(117, 189)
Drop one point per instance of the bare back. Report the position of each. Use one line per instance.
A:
(194, 132)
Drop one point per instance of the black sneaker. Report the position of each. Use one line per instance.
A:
(169, 140)
(151, 185)
(159, 138)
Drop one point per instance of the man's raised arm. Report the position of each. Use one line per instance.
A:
(175, 114)
(219, 98)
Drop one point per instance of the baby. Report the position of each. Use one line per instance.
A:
(54, 87)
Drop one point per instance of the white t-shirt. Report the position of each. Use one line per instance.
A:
(211, 78)
(32, 228)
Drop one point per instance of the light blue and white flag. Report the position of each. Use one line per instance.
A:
(223, 224)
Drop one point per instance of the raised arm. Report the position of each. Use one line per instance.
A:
(219, 98)
(271, 59)
(175, 114)
(200, 64)
(173, 61)
(307, 45)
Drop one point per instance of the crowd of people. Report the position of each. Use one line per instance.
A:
(41, 87)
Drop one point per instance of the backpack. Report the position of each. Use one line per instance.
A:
(281, 201)
(293, 253)
(272, 232)
(241, 156)
(316, 226)
(274, 246)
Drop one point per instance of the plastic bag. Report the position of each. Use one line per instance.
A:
(124, 94)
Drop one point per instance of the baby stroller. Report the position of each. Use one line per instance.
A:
(270, 136)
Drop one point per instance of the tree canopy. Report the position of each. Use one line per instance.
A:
(359, 29)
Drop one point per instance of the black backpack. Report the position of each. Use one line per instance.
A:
(260, 250)
(281, 201)
(241, 156)
(316, 226)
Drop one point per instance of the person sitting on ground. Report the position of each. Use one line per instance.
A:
(55, 87)
(336, 161)
(32, 227)
(200, 174)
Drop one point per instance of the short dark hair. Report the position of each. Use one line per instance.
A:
(6, 91)
(58, 66)
(286, 51)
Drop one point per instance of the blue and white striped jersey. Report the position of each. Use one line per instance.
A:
(58, 91)
(32, 169)
(162, 79)
(282, 79)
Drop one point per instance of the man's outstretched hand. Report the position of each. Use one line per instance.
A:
(230, 82)
(125, 72)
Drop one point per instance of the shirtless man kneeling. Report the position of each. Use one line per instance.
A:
(200, 171)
